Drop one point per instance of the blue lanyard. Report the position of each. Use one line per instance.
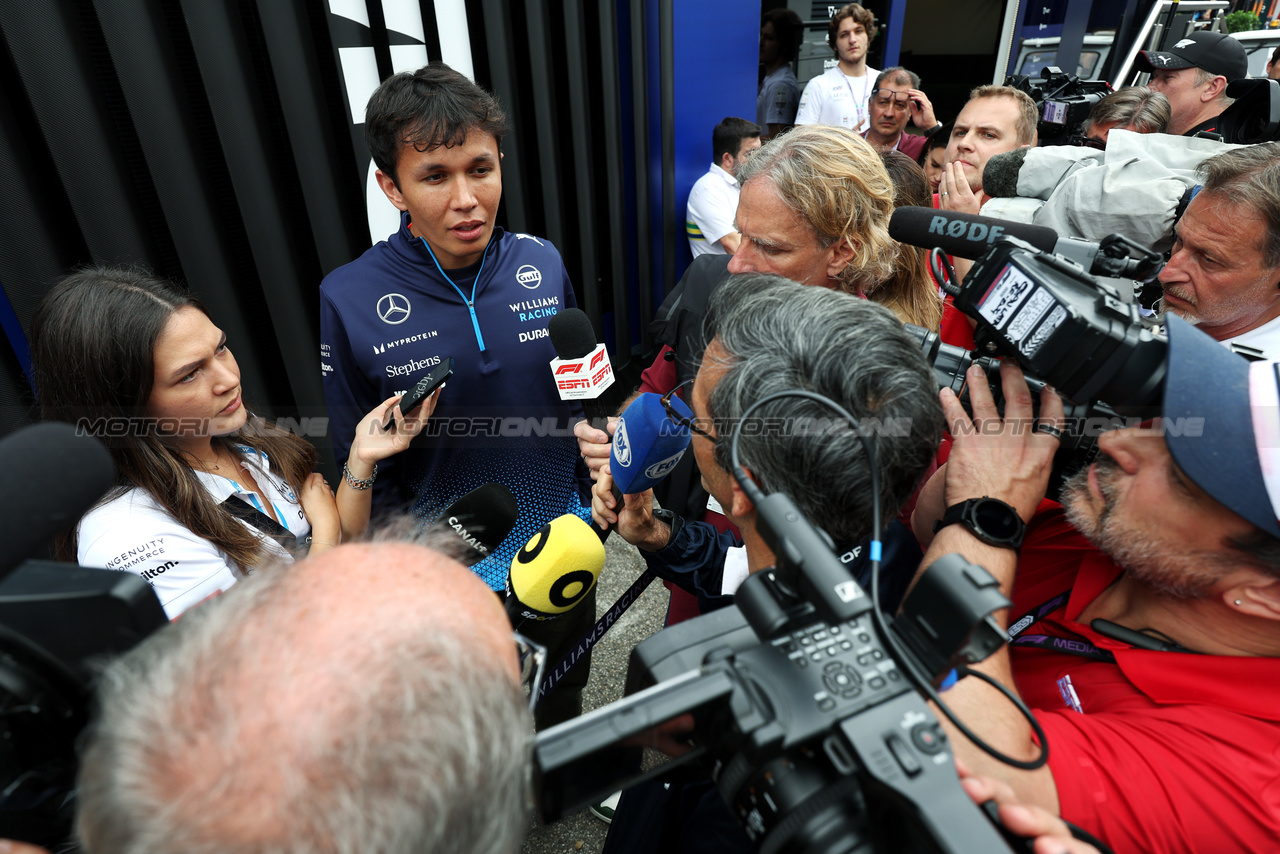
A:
(471, 303)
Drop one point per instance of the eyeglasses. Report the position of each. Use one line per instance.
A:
(882, 97)
(533, 663)
(680, 418)
(1090, 142)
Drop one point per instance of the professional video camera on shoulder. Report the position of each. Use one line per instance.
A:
(1063, 102)
(1064, 326)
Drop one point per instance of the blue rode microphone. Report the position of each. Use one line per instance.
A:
(647, 444)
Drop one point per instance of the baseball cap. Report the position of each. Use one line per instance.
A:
(1216, 53)
(1222, 423)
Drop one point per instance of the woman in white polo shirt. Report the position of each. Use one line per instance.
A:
(205, 490)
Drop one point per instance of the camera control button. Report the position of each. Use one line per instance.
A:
(902, 752)
(926, 737)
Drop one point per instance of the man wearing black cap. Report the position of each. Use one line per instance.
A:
(1193, 75)
(1146, 610)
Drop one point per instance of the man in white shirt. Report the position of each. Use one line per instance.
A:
(1224, 273)
(840, 96)
(713, 201)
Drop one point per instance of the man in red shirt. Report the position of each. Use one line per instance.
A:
(1146, 616)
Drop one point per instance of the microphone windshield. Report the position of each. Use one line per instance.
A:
(72, 472)
(1000, 175)
(960, 234)
(647, 444)
(571, 334)
(554, 570)
(482, 519)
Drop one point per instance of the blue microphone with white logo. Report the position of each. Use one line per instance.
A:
(647, 444)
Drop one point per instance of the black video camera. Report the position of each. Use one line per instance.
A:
(1063, 102)
(798, 706)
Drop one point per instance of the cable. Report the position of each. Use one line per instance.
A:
(921, 682)
(944, 275)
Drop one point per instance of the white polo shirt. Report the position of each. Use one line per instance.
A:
(713, 203)
(133, 533)
(831, 98)
(1265, 338)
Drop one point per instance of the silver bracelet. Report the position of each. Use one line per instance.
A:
(354, 482)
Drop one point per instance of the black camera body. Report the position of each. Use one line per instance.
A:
(1063, 102)
(814, 734)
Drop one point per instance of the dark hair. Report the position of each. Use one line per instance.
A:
(936, 139)
(774, 335)
(859, 14)
(431, 107)
(93, 337)
(727, 137)
(1259, 547)
(789, 29)
(896, 74)
(910, 292)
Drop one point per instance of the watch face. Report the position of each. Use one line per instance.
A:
(996, 520)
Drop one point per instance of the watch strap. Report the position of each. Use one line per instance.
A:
(966, 513)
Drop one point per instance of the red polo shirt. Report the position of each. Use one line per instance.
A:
(1171, 752)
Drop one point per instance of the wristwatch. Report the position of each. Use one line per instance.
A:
(674, 522)
(988, 519)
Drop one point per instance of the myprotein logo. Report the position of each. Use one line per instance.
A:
(529, 276)
(379, 349)
(393, 308)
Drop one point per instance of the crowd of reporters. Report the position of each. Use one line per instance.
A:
(368, 697)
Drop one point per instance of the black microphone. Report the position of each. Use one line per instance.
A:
(58, 474)
(970, 236)
(571, 334)
(482, 519)
(960, 234)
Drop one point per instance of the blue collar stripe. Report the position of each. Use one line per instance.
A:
(471, 306)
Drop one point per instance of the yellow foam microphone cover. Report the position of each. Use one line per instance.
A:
(557, 567)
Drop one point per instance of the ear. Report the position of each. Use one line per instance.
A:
(726, 162)
(1258, 596)
(1214, 88)
(389, 188)
(741, 504)
(842, 253)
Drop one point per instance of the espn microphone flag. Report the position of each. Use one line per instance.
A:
(555, 570)
(647, 444)
(585, 378)
(581, 367)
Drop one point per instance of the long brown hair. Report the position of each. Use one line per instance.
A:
(910, 292)
(93, 339)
